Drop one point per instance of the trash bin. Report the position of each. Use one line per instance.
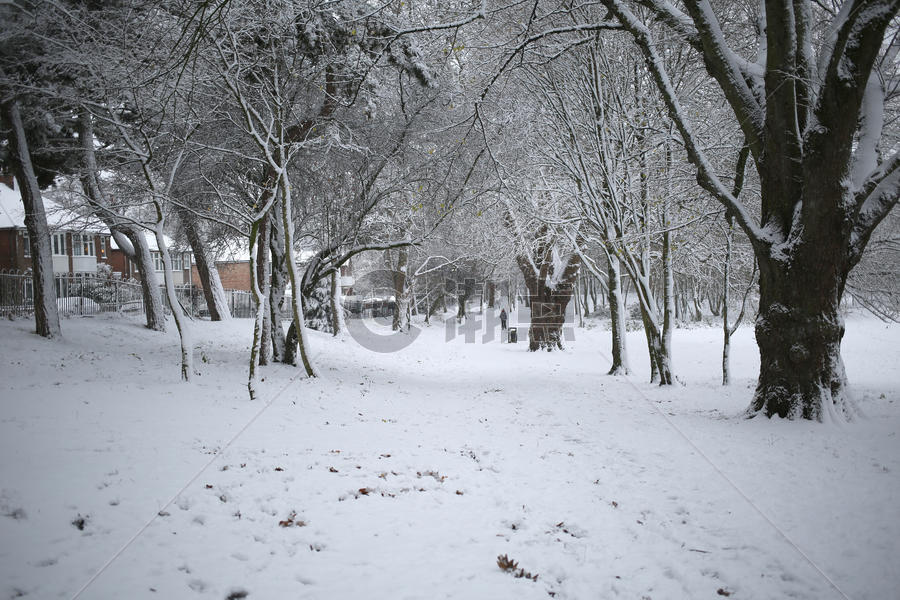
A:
(513, 335)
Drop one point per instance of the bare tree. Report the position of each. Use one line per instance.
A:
(46, 311)
(811, 110)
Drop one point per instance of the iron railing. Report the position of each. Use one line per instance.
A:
(87, 294)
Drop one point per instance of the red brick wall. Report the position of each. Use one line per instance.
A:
(7, 245)
(119, 262)
(234, 275)
(12, 250)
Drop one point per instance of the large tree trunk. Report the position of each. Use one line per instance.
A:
(548, 303)
(46, 310)
(129, 236)
(799, 330)
(815, 143)
(153, 304)
(617, 318)
(213, 292)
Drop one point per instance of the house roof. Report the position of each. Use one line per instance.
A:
(12, 214)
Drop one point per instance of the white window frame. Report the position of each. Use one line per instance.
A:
(27, 244)
(158, 265)
(58, 244)
(83, 244)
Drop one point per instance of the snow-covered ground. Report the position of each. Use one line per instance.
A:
(406, 474)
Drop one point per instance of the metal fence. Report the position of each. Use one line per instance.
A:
(88, 294)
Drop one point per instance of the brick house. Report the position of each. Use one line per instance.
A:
(78, 243)
(181, 261)
(235, 275)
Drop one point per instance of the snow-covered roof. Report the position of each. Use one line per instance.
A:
(12, 214)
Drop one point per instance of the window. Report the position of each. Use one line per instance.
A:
(59, 244)
(102, 246)
(26, 241)
(179, 260)
(82, 244)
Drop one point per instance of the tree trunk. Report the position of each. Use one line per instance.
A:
(799, 330)
(259, 301)
(298, 340)
(548, 304)
(579, 309)
(277, 286)
(726, 328)
(46, 309)
(134, 244)
(153, 304)
(213, 291)
(184, 332)
(668, 295)
(263, 278)
(401, 289)
(337, 307)
(660, 360)
(617, 318)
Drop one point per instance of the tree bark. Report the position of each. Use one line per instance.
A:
(548, 304)
(259, 301)
(184, 332)
(799, 331)
(298, 340)
(617, 318)
(668, 287)
(277, 286)
(213, 291)
(337, 307)
(400, 279)
(150, 288)
(136, 248)
(263, 272)
(46, 309)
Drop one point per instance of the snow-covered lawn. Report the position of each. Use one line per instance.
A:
(405, 475)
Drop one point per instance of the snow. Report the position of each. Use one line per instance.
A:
(412, 471)
(12, 214)
(77, 305)
(151, 241)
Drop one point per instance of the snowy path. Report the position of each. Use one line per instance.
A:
(411, 472)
